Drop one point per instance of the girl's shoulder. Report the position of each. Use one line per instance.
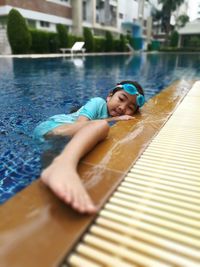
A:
(98, 99)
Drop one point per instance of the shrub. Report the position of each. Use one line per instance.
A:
(89, 40)
(18, 34)
(62, 35)
(44, 42)
(117, 46)
(40, 42)
(174, 39)
(53, 41)
(109, 42)
(122, 43)
(194, 41)
(99, 44)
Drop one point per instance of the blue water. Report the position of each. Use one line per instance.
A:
(33, 89)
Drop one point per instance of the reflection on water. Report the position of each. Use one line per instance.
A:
(34, 89)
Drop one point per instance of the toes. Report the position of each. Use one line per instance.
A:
(71, 192)
(67, 196)
(78, 202)
(83, 203)
(63, 194)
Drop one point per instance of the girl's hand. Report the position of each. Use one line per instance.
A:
(125, 118)
(121, 118)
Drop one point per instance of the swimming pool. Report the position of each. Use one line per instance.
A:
(33, 89)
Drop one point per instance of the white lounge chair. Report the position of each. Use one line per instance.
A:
(130, 48)
(77, 47)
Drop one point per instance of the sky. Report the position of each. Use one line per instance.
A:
(192, 10)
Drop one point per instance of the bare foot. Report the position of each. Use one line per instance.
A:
(65, 182)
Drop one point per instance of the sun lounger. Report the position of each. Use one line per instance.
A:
(77, 47)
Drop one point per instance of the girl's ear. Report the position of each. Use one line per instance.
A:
(109, 97)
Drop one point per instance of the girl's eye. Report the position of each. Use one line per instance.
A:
(132, 108)
(121, 98)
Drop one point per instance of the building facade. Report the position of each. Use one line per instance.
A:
(189, 35)
(40, 14)
(117, 16)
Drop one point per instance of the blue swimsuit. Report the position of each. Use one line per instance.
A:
(94, 109)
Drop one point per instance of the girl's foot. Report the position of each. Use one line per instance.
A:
(65, 182)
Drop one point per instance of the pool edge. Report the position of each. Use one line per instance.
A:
(38, 229)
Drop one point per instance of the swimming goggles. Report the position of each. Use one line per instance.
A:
(132, 90)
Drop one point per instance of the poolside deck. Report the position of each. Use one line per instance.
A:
(37, 229)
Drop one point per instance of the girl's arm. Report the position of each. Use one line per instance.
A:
(121, 118)
(82, 118)
(118, 118)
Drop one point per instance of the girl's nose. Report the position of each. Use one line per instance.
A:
(122, 108)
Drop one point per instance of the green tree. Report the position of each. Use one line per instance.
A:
(168, 6)
(62, 35)
(18, 34)
(182, 20)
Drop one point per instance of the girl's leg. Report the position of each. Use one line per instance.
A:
(62, 177)
(68, 129)
(58, 138)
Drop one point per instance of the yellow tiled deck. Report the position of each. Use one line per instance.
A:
(37, 229)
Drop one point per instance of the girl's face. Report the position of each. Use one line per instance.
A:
(121, 103)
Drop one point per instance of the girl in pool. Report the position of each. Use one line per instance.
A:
(88, 126)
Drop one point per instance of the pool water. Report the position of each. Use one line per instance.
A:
(31, 90)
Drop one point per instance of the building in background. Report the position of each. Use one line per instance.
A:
(132, 17)
(189, 35)
(40, 14)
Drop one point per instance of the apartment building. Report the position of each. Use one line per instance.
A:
(41, 14)
(116, 16)
(131, 17)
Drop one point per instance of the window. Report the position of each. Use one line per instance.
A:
(31, 23)
(84, 11)
(121, 15)
(44, 24)
(61, 2)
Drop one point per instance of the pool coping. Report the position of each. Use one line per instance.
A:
(58, 55)
(53, 55)
(37, 229)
